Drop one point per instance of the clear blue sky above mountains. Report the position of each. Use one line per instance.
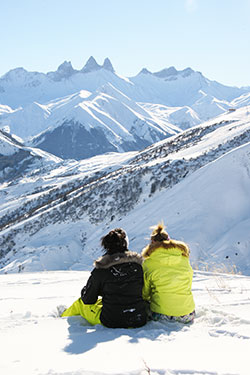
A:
(211, 36)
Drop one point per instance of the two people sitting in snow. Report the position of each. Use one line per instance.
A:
(134, 288)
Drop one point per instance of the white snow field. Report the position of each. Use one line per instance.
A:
(34, 341)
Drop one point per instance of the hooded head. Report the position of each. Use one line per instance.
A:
(116, 241)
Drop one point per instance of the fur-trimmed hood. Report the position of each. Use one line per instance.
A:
(171, 244)
(107, 260)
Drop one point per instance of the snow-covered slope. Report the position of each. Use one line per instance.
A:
(16, 159)
(32, 341)
(84, 124)
(4, 109)
(180, 89)
(241, 101)
(197, 182)
(97, 124)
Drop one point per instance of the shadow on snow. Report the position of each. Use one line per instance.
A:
(85, 337)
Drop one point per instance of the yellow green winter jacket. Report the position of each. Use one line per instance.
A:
(168, 282)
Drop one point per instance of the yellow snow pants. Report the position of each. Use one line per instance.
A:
(89, 312)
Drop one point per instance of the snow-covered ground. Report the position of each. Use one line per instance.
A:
(34, 341)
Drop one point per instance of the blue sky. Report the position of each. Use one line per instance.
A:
(211, 36)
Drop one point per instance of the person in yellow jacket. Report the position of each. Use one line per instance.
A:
(168, 278)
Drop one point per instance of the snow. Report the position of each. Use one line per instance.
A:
(6, 146)
(241, 101)
(193, 97)
(34, 341)
(209, 208)
(5, 109)
(45, 155)
(109, 110)
(184, 116)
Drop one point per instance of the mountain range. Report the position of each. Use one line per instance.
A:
(76, 114)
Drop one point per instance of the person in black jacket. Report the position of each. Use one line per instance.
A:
(118, 279)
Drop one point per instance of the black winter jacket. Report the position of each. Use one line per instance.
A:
(118, 278)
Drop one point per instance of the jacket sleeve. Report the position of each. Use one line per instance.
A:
(146, 290)
(92, 289)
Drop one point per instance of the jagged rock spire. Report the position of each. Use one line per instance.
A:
(145, 71)
(107, 65)
(91, 65)
(66, 68)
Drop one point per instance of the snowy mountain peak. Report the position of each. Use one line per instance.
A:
(169, 73)
(108, 65)
(166, 72)
(90, 66)
(65, 70)
(145, 71)
(173, 72)
(15, 74)
(186, 72)
(66, 67)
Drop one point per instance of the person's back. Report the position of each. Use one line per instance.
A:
(168, 278)
(118, 279)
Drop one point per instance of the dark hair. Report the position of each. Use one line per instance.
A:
(115, 241)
